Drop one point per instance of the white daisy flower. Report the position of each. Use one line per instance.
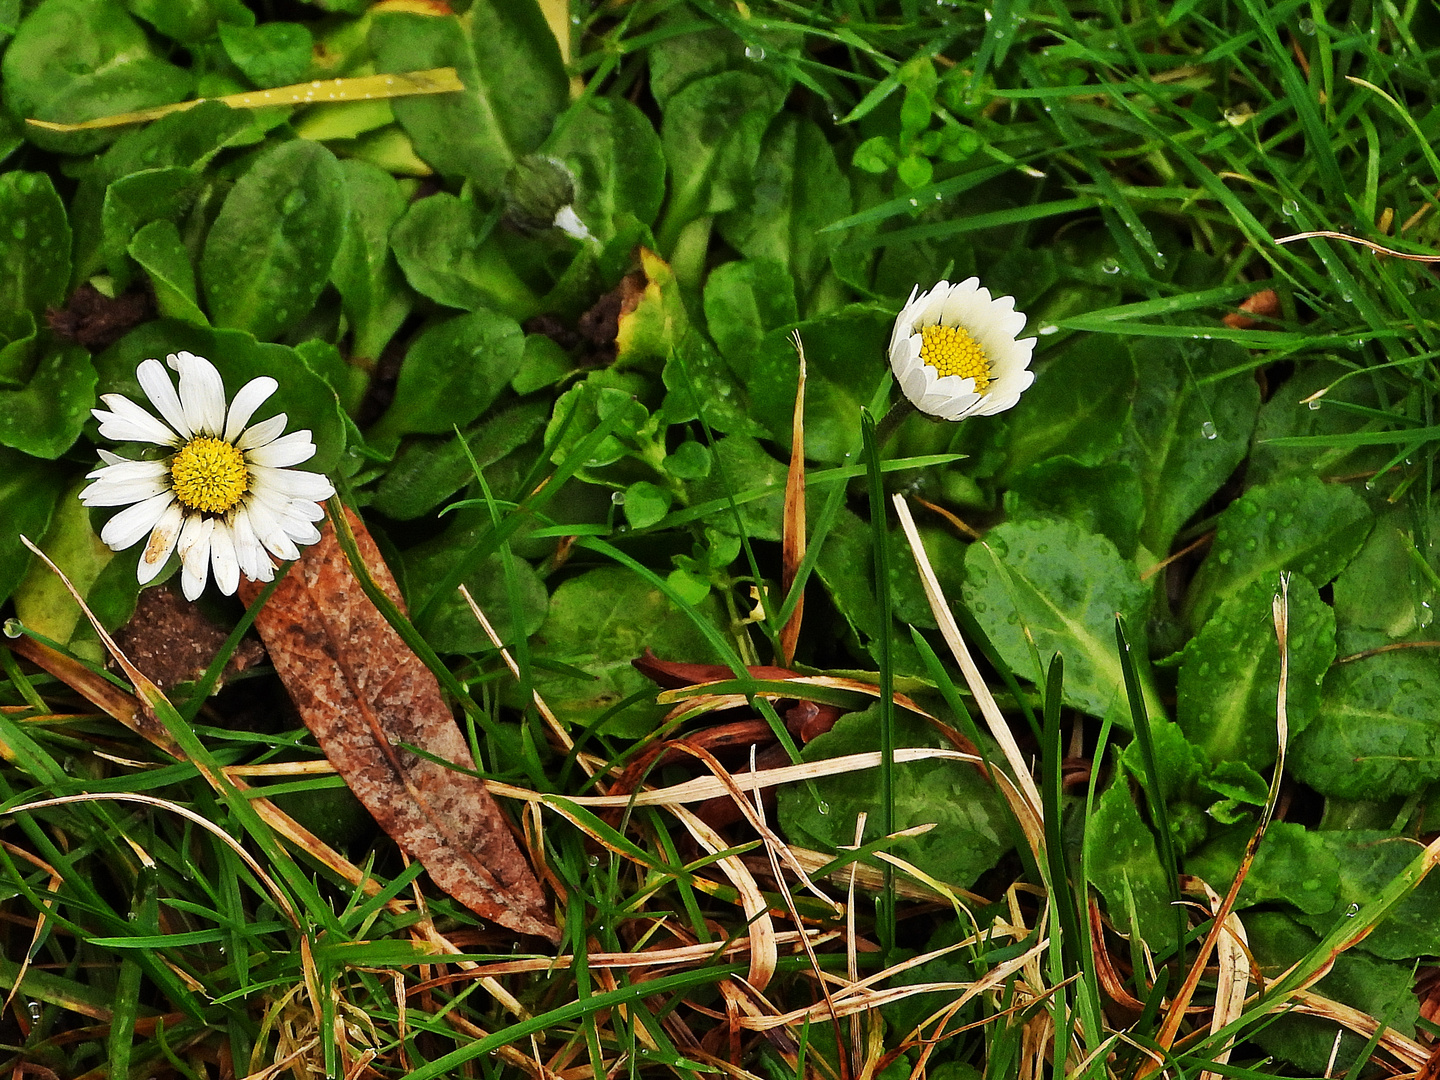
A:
(954, 353)
(225, 498)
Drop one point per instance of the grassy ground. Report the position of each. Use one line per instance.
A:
(1142, 671)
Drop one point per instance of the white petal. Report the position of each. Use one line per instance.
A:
(155, 381)
(127, 527)
(118, 468)
(128, 422)
(162, 542)
(193, 548)
(290, 483)
(249, 552)
(108, 491)
(265, 519)
(202, 393)
(251, 396)
(264, 432)
(302, 532)
(224, 562)
(109, 459)
(287, 450)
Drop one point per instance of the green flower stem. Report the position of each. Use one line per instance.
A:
(892, 420)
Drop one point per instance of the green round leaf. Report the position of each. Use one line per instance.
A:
(269, 252)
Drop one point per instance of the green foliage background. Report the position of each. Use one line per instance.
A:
(1123, 173)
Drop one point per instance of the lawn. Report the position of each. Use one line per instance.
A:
(825, 539)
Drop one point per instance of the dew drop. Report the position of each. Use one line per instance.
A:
(1208, 430)
(593, 861)
(618, 498)
(1048, 330)
(1314, 406)
(1347, 298)
(1110, 266)
(823, 807)
(914, 202)
(34, 1009)
(754, 52)
(1290, 208)
(14, 628)
(1306, 27)
(1352, 911)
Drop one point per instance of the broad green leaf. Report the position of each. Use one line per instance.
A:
(269, 252)
(1375, 734)
(451, 627)
(302, 395)
(1294, 866)
(741, 466)
(845, 360)
(601, 395)
(744, 300)
(1288, 414)
(1060, 586)
(34, 260)
(1300, 525)
(44, 417)
(1367, 861)
(1186, 434)
(1051, 418)
(29, 490)
(598, 623)
(271, 54)
(42, 602)
(75, 60)
(437, 245)
(373, 291)
(515, 85)
(189, 22)
(1104, 499)
(188, 139)
(711, 135)
(452, 373)
(427, 471)
(1374, 987)
(798, 190)
(1125, 866)
(35, 244)
(971, 821)
(1382, 595)
(161, 253)
(680, 58)
(614, 154)
(698, 381)
(1230, 672)
(163, 194)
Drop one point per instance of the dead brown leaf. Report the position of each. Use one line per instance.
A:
(367, 698)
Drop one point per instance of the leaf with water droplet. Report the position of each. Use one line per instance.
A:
(1230, 671)
(260, 260)
(1326, 525)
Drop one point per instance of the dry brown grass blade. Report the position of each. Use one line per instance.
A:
(1406, 1050)
(1165, 1037)
(366, 697)
(792, 543)
(1380, 249)
(1028, 804)
(318, 92)
(55, 882)
(128, 710)
(1232, 981)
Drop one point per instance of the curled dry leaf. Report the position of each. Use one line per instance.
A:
(367, 697)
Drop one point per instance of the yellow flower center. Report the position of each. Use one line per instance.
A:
(209, 475)
(950, 350)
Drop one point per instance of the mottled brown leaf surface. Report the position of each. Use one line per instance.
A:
(364, 694)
